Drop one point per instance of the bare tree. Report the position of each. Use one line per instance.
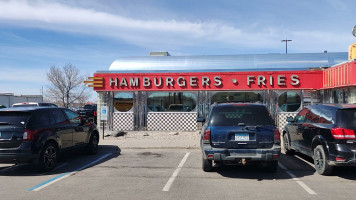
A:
(67, 85)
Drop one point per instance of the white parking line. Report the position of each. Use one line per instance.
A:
(307, 162)
(175, 173)
(65, 175)
(301, 183)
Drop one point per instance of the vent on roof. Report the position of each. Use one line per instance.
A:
(163, 53)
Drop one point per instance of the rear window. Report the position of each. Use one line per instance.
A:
(14, 118)
(233, 115)
(24, 105)
(48, 104)
(347, 119)
(89, 107)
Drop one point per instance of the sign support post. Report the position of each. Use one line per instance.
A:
(103, 117)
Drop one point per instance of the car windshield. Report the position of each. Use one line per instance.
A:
(14, 118)
(347, 118)
(233, 115)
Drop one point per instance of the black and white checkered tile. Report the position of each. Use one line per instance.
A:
(123, 121)
(233, 115)
(282, 119)
(169, 121)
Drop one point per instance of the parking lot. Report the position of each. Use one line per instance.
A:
(170, 174)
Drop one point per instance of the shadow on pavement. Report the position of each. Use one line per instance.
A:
(257, 172)
(296, 164)
(345, 172)
(250, 172)
(68, 161)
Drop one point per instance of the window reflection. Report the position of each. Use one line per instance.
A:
(171, 102)
(123, 101)
(289, 101)
(236, 97)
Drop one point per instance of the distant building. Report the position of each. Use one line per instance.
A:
(7, 99)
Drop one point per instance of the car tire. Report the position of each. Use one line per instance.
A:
(286, 145)
(271, 166)
(207, 165)
(93, 144)
(320, 161)
(48, 157)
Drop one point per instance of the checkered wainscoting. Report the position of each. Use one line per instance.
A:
(282, 119)
(123, 121)
(169, 121)
(233, 115)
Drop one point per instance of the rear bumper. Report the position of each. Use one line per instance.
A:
(218, 154)
(341, 151)
(22, 154)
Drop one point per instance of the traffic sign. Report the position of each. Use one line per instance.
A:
(104, 113)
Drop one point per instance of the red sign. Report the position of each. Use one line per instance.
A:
(276, 80)
(340, 76)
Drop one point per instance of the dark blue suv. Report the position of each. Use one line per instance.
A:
(239, 133)
(324, 132)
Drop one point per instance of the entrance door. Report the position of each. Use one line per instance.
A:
(140, 110)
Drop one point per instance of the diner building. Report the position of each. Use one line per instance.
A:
(162, 92)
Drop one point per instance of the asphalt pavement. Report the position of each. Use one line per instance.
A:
(151, 139)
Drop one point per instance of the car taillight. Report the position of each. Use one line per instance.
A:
(95, 113)
(29, 135)
(343, 133)
(277, 136)
(206, 137)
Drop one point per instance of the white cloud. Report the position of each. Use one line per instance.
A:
(58, 16)
(152, 33)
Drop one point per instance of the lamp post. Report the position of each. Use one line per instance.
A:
(286, 41)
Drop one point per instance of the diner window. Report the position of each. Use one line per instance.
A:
(171, 102)
(289, 101)
(236, 97)
(123, 101)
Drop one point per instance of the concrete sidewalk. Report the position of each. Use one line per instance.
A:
(151, 139)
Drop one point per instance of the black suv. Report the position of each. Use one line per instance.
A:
(238, 133)
(324, 132)
(89, 112)
(38, 134)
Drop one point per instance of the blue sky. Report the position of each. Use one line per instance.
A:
(91, 34)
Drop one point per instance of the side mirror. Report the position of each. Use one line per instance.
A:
(290, 119)
(200, 119)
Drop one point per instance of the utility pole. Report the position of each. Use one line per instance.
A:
(286, 41)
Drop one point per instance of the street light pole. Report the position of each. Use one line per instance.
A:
(286, 41)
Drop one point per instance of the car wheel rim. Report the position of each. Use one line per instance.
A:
(318, 160)
(286, 143)
(50, 157)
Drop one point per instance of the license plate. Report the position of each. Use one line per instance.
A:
(242, 137)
